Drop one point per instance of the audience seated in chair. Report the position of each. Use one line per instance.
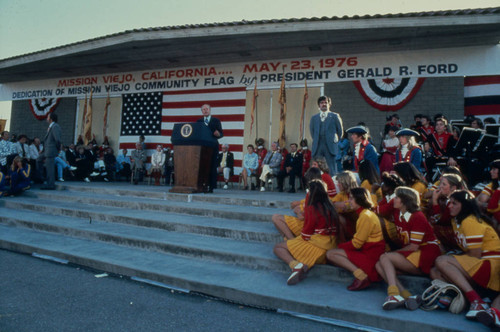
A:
(137, 159)
(270, 165)
(157, 164)
(292, 168)
(250, 166)
(123, 165)
(225, 164)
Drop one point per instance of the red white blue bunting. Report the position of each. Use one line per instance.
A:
(389, 94)
(43, 107)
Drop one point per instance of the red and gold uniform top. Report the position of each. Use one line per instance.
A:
(342, 197)
(315, 223)
(472, 234)
(414, 228)
(330, 186)
(422, 190)
(488, 189)
(377, 196)
(368, 229)
(411, 227)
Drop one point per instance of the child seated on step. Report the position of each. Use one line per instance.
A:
(360, 255)
(419, 250)
(290, 226)
(319, 234)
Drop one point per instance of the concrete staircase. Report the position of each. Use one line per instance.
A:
(219, 244)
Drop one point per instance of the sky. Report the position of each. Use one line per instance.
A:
(33, 25)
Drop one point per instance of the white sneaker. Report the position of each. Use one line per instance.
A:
(262, 189)
(225, 186)
(270, 181)
(106, 179)
(86, 180)
(60, 180)
(73, 168)
(94, 174)
(104, 174)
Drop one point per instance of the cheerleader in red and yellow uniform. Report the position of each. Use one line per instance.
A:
(439, 215)
(389, 184)
(319, 234)
(360, 255)
(290, 226)
(419, 251)
(490, 196)
(413, 178)
(370, 180)
(319, 170)
(481, 261)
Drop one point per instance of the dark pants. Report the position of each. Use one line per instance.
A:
(330, 158)
(50, 169)
(125, 171)
(291, 180)
(213, 169)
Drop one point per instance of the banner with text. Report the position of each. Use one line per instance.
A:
(467, 61)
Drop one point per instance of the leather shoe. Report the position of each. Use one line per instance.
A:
(48, 188)
(359, 284)
(291, 190)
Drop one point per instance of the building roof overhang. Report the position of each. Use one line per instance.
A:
(245, 41)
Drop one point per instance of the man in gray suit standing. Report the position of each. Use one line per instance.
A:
(326, 131)
(51, 146)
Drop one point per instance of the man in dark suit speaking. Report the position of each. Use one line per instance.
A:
(215, 127)
(326, 131)
(51, 147)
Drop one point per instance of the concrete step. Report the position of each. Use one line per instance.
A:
(116, 225)
(229, 228)
(229, 197)
(257, 255)
(263, 288)
(213, 210)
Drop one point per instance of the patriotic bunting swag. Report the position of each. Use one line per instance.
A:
(389, 94)
(43, 107)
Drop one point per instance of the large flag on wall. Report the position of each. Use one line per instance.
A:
(482, 95)
(154, 115)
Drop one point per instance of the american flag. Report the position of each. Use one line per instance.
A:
(482, 95)
(154, 115)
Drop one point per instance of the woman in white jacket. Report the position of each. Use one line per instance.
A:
(157, 163)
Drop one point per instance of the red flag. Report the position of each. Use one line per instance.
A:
(84, 116)
(306, 95)
(282, 101)
(105, 122)
(254, 104)
(87, 130)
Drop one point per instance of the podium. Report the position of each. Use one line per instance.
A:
(193, 147)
